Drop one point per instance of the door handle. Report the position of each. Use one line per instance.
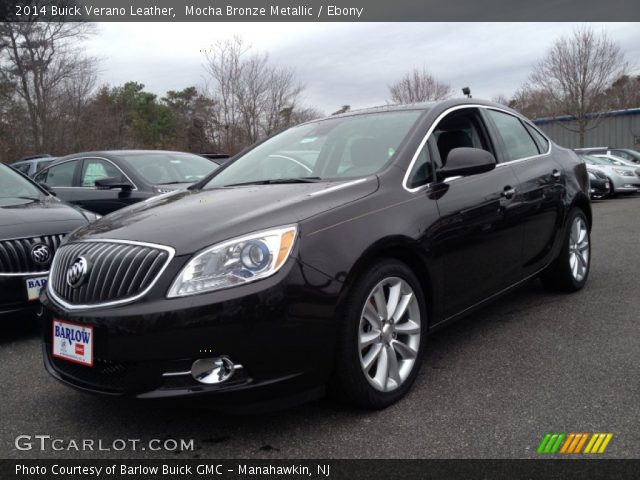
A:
(556, 174)
(508, 192)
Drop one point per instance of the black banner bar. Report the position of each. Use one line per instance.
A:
(319, 10)
(320, 469)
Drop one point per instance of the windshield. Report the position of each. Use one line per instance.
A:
(14, 185)
(595, 160)
(623, 162)
(162, 168)
(343, 147)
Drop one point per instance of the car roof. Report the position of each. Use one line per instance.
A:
(424, 106)
(110, 154)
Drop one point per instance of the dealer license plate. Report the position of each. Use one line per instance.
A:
(34, 285)
(73, 342)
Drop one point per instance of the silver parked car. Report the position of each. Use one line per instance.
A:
(621, 162)
(624, 179)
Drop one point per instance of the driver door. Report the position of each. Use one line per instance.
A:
(101, 201)
(477, 241)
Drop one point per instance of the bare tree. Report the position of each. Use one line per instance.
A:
(39, 59)
(624, 93)
(575, 74)
(533, 102)
(250, 94)
(418, 86)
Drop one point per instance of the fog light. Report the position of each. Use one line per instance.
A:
(212, 370)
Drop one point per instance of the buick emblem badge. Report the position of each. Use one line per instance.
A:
(40, 253)
(77, 272)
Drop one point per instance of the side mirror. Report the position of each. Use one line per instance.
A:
(111, 183)
(467, 161)
(49, 190)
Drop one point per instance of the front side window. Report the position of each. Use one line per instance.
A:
(58, 175)
(342, 147)
(98, 169)
(517, 141)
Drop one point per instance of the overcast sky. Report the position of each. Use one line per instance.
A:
(344, 63)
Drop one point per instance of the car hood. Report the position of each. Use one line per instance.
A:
(23, 217)
(189, 220)
(608, 168)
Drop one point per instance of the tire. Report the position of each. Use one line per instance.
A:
(569, 272)
(398, 336)
(612, 189)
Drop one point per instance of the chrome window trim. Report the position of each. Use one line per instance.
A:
(69, 306)
(45, 169)
(435, 123)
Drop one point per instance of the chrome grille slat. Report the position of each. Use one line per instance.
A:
(15, 254)
(119, 271)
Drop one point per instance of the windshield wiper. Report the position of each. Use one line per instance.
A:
(274, 181)
(171, 183)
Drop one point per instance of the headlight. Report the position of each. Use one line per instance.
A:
(235, 262)
(624, 173)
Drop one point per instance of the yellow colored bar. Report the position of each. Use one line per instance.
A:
(591, 442)
(574, 443)
(596, 445)
(567, 442)
(606, 441)
(581, 443)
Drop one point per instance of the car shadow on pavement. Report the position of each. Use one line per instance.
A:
(219, 432)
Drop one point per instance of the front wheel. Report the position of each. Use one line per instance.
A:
(569, 272)
(382, 338)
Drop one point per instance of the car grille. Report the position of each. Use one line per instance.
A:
(16, 256)
(116, 271)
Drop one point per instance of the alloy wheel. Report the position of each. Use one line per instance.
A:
(389, 334)
(579, 249)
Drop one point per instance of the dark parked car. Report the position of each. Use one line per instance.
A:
(31, 165)
(626, 153)
(599, 185)
(32, 224)
(324, 255)
(106, 181)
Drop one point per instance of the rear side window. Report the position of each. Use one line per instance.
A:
(543, 143)
(517, 141)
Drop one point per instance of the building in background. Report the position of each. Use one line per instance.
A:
(619, 128)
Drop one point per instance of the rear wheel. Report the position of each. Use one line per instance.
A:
(382, 337)
(569, 272)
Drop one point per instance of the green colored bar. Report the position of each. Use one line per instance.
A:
(558, 443)
(543, 443)
(550, 443)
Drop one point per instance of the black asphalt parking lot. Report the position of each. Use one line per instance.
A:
(491, 385)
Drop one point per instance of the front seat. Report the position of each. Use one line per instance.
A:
(447, 141)
(367, 156)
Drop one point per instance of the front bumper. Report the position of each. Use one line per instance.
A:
(625, 184)
(280, 329)
(14, 302)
